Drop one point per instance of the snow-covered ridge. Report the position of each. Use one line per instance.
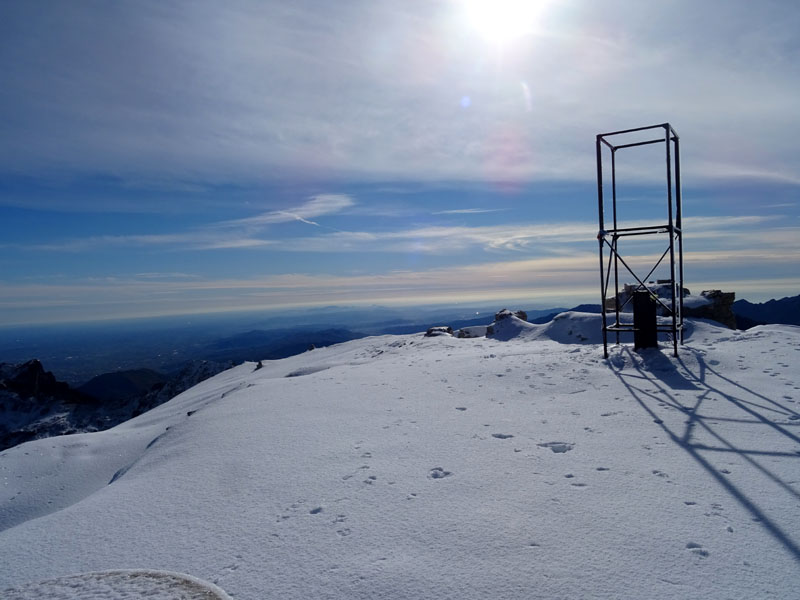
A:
(406, 466)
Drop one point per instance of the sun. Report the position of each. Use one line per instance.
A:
(504, 20)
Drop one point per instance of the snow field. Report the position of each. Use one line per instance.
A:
(403, 466)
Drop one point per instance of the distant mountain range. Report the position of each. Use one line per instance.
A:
(785, 311)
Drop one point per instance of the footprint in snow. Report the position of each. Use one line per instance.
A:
(438, 473)
(558, 447)
(698, 549)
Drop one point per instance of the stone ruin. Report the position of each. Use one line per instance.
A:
(715, 305)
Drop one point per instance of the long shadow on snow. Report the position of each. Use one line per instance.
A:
(664, 374)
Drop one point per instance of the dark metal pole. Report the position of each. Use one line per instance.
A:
(679, 222)
(600, 240)
(667, 135)
(615, 239)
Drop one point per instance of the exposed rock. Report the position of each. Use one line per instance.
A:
(30, 380)
(719, 308)
(439, 330)
(34, 405)
(505, 313)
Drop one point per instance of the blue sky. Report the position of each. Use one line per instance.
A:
(184, 157)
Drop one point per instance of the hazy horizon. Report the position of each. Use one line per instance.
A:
(488, 304)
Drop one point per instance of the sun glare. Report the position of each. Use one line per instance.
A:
(504, 20)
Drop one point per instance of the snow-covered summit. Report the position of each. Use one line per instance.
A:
(519, 465)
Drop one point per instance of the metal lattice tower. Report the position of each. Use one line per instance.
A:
(610, 238)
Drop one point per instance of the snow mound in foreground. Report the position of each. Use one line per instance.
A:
(119, 585)
(574, 328)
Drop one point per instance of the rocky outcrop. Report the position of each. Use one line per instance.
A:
(505, 313)
(439, 330)
(719, 308)
(29, 381)
(33, 404)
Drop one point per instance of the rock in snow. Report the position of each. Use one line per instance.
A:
(522, 465)
(439, 330)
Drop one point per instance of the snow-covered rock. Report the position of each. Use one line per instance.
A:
(439, 330)
(505, 313)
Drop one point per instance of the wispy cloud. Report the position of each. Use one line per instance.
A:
(375, 90)
(232, 234)
(553, 238)
(549, 238)
(317, 206)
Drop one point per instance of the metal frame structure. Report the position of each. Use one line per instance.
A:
(609, 239)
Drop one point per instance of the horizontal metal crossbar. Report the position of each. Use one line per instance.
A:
(645, 228)
(635, 144)
(635, 129)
